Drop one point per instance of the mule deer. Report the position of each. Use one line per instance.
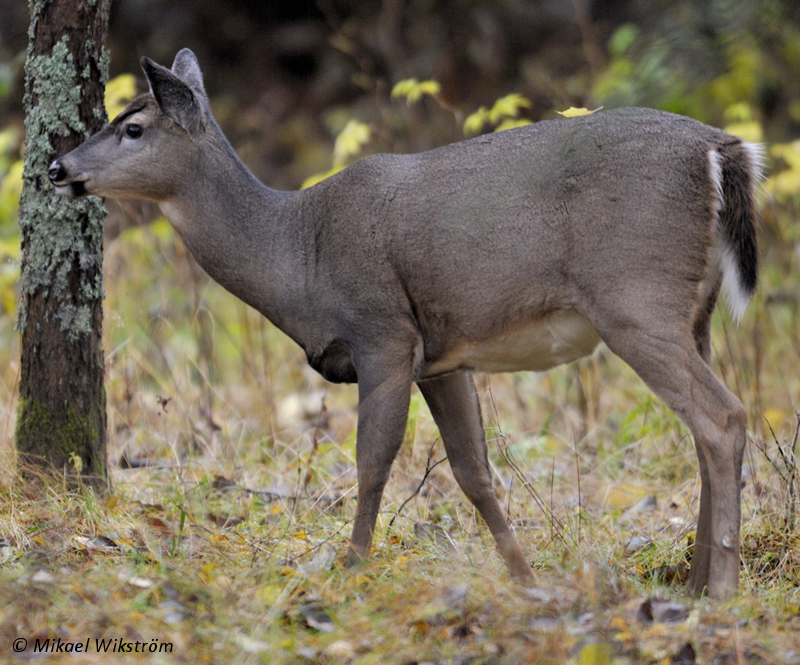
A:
(519, 250)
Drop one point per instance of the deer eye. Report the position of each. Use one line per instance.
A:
(133, 131)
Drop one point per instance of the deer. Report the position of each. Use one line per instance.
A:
(512, 251)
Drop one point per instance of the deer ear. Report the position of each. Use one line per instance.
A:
(186, 68)
(174, 96)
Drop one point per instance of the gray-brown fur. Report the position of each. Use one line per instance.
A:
(515, 250)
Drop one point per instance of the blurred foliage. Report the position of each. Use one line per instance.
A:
(10, 191)
(705, 58)
(785, 184)
(413, 90)
(347, 146)
(119, 91)
(741, 123)
(504, 114)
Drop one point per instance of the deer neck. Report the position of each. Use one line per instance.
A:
(238, 230)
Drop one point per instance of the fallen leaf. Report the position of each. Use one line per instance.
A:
(653, 610)
(96, 543)
(135, 580)
(317, 618)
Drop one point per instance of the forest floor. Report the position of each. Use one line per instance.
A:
(234, 485)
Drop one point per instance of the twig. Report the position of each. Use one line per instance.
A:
(554, 522)
(307, 471)
(789, 474)
(790, 517)
(580, 496)
(428, 468)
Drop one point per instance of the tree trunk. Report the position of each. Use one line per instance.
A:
(61, 421)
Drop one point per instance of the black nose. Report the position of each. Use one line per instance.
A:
(56, 172)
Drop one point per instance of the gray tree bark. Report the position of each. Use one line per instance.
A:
(61, 420)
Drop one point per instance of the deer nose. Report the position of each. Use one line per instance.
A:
(56, 172)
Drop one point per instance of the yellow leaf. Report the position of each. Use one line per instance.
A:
(475, 121)
(319, 177)
(430, 87)
(350, 141)
(413, 90)
(573, 112)
(119, 91)
(404, 87)
(512, 123)
(508, 107)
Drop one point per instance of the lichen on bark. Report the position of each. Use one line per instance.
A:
(60, 234)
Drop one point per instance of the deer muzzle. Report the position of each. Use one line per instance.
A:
(72, 187)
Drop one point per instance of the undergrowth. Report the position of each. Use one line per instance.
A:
(234, 487)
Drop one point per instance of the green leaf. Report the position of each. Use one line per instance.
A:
(623, 39)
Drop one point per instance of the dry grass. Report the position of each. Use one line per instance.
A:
(225, 533)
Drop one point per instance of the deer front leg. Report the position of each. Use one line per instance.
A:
(455, 408)
(384, 388)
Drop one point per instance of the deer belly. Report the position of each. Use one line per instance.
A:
(558, 338)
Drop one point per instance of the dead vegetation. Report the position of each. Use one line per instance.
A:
(234, 491)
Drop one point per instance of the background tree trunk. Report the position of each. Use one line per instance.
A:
(62, 409)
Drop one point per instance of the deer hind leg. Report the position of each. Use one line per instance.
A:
(455, 408)
(701, 557)
(670, 363)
